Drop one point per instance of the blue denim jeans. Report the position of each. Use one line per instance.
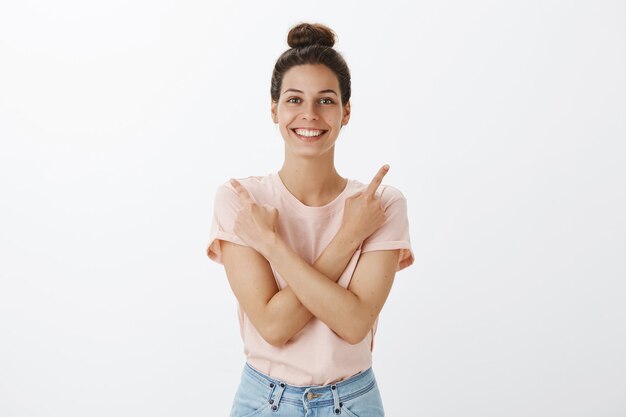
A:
(260, 395)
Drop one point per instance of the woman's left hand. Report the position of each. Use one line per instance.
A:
(255, 224)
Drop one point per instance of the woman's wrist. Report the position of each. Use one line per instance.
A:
(349, 238)
(270, 244)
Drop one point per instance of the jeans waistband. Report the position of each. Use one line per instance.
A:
(316, 395)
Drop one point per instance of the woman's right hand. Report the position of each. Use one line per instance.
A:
(363, 213)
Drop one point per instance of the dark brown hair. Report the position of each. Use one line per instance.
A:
(311, 43)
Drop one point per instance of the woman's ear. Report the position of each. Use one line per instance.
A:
(346, 114)
(274, 111)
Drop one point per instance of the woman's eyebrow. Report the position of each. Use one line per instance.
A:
(302, 92)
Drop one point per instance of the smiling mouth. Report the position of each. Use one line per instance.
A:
(309, 138)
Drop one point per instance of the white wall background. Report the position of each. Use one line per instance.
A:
(503, 123)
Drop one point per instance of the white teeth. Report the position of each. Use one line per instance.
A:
(308, 133)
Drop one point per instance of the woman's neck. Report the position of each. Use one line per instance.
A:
(313, 182)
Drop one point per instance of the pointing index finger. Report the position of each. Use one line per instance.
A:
(241, 191)
(377, 180)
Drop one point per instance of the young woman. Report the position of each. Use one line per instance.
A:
(310, 255)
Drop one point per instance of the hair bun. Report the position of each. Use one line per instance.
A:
(305, 34)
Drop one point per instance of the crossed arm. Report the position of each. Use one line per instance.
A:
(291, 315)
(312, 290)
(284, 315)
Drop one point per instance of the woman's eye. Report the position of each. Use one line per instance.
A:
(330, 101)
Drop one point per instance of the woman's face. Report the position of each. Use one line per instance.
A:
(310, 99)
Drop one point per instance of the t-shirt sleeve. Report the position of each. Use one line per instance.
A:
(225, 207)
(393, 234)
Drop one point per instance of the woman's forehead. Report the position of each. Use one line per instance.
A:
(315, 77)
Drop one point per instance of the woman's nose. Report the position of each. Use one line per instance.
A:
(309, 112)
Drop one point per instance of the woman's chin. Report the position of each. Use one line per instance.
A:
(301, 152)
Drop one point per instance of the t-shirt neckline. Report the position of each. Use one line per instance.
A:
(311, 210)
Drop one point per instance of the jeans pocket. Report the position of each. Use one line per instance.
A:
(243, 407)
(348, 412)
(369, 404)
(239, 411)
(251, 398)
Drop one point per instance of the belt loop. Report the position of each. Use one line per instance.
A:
(336, 404)
(279, 394)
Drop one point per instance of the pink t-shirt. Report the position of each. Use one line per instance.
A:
(315, 355)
